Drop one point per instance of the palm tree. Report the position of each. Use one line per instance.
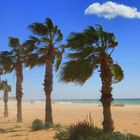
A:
(45, 37)
(13, 60)
(91, 50)
(6, 88)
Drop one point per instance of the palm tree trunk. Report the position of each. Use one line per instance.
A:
(108, 126)
(5, 103)
(48, 83)
(106, 98)
(19, 93)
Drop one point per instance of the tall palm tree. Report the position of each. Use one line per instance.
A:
(13, 60)
(91, 50)
(45, 37)
(6, 88)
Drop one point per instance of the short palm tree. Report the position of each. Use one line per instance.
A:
(6, 88)
(91, 50)
(45, 37)
(14, 60)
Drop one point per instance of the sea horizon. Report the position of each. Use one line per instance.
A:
(125, 101)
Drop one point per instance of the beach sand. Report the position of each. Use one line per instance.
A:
(126, 119)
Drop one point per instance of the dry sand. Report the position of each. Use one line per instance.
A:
(126, 119)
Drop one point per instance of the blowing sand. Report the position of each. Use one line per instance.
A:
(126, 119)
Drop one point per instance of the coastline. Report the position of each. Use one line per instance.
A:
(127, 101)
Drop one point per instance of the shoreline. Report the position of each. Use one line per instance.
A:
(120, 101)
(131, 101)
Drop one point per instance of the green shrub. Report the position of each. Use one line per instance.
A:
(115, 136)
(48, 125)
(37, 125)
(86, 131)
(62, 135)
(54, 126)
(79, 131)
(57, 126)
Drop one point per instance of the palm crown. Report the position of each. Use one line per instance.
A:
(17, 54)
(88, 49)
(46, 35)
(4, 86)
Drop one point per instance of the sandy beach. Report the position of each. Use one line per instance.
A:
(126, 119)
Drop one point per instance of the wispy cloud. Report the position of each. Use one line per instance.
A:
(111, 10)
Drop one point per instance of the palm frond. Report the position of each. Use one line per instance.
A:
(88, 37)
(31, 60)
(77, 71)
(9, 88)
(43, 50)
(29, 46)
(59, 36)
(83, 53)
(91, 35)
(6, 61)
(58, 57)
(45, 40)
(112, 40)
(55, 29)
(41, 60)
(5, 86)
(34, 39)
(58, 62)
(1, 70)
(38, 28)
(49, 24)
(76, 41)
(117, 72)
(13, 42)
(1, 86)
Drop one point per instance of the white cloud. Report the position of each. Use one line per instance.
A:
(110, 10)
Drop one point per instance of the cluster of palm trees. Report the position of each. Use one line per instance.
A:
(86, 51)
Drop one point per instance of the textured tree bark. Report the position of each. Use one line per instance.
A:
(108, 126)
(48, 85)
(106, 98)
(48, 82)
(5, 103)
(19, 76)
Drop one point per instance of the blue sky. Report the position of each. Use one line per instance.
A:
(16, 15)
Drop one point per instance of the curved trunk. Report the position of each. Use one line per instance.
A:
(48, 82)
(19, 76)
(106, 98)
(5, 103)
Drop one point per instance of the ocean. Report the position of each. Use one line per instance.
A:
(96, 101)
